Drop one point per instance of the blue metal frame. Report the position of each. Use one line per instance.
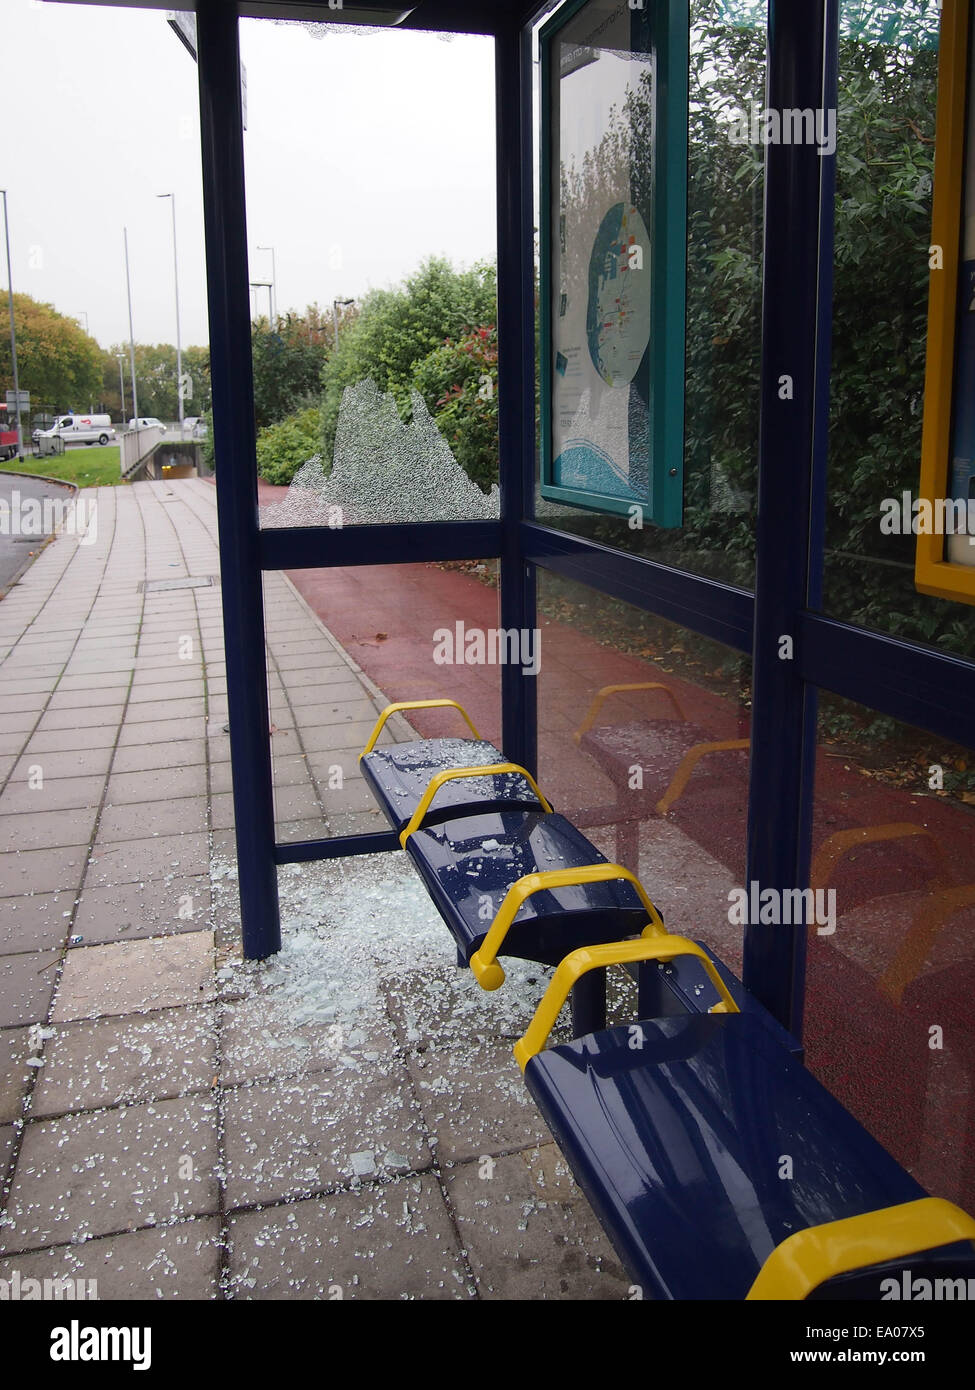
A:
(234, 442)
(516, 375)
(797, 245)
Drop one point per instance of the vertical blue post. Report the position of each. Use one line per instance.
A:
(792, 441)
(516, 373)
(234, 450)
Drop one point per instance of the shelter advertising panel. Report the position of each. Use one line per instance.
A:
(613, 255)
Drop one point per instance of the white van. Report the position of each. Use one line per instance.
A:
(147, 422)
(75, 429)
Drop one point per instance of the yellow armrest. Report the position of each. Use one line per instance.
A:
(483, 963)
(808, 1258)
(648, 947)
(413, 704)
(451, 774)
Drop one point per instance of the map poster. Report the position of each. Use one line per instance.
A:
(614, 162)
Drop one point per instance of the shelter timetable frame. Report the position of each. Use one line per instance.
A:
(905, 681)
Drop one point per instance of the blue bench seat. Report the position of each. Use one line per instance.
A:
(469, 862)
(399, 775)
(683, 1147)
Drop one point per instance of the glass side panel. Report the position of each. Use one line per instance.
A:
(891, 963)
(888, 97)
(657, 775)
(374, 635)
(372, 222)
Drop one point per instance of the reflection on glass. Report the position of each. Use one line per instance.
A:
(888, 94)
(888, 1011)
(643, 741)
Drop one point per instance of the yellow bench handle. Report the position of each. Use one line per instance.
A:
(483, 963)
(649, 947)
(451, 774)
(808, 1258)
(413, 704)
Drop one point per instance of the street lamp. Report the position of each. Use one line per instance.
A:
(13, 331)
(120, 358)
(128, 290)
(179, 351)
(336, 305)
(274, 285)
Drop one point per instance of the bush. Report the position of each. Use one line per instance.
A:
(459, 383)
(397, 329)
(284, 447)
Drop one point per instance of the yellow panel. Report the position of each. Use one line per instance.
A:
(933, 574)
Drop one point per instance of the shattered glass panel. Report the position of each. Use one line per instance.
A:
(383, 470)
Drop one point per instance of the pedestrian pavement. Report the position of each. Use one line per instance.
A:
(344, 1120)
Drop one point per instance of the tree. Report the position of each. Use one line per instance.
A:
(288, 361)
(155, 376)
(459, 382)
(57, 362)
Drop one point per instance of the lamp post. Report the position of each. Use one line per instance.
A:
(120, 358)
(13, 331)
(336, 305)
(274, 286)
(179, 351)
(128, 290)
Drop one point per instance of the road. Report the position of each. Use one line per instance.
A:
(15, 548)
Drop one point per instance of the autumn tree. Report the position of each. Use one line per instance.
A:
(59, 364)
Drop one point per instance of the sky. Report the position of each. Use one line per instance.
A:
(364, 154)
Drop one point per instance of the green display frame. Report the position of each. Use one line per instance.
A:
(658, 29)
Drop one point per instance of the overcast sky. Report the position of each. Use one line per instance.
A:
(363, 154)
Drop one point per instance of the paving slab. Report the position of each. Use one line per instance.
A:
(135, 976)
(160, 856)
(105, 1171)
(15, 1075)
(529, 1231)
(394, 1241)
(35, 922)
(52, 794)
(181, 1261)
(122, 1061)
(260, 1039)
(46, 828)
(475, 1102)
(291, 1138)
(177, 753)
(154, 907)
(26, 986)
(131, 821)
